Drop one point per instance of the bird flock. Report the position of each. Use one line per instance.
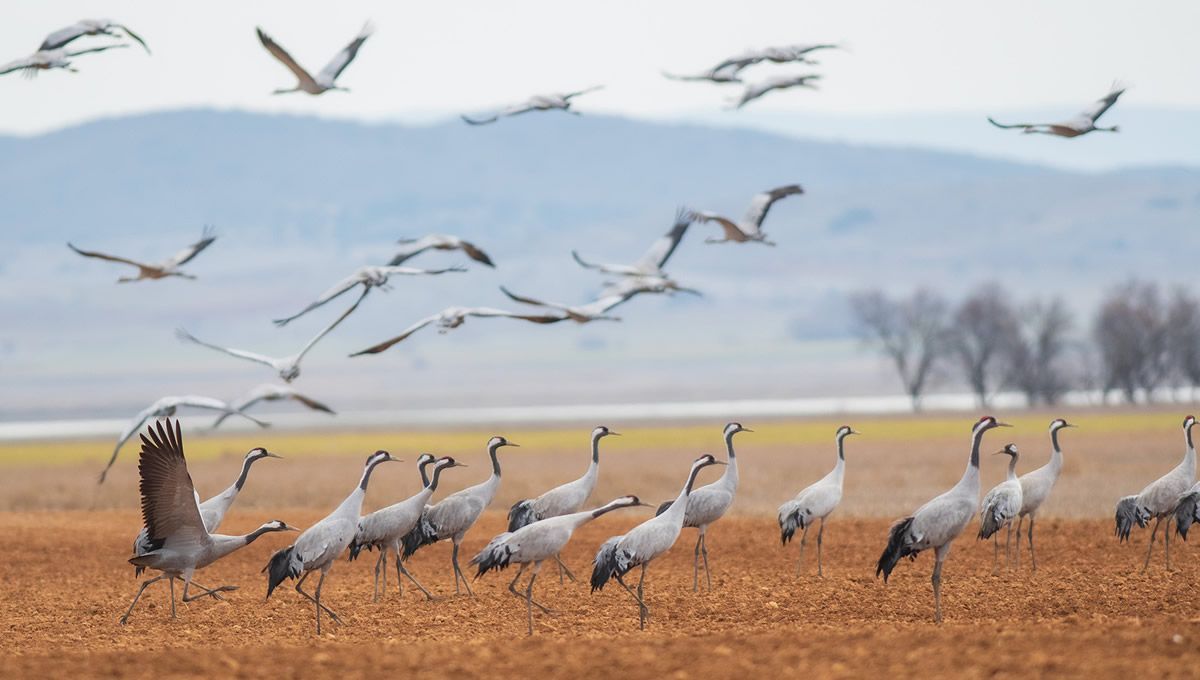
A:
(178, 534)
(178, 537)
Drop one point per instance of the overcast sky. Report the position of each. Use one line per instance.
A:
(429, 60)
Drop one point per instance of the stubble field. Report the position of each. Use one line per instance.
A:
(1088, 610)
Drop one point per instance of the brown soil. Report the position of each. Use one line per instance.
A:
(1087, 610)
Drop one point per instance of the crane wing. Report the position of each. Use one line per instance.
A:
(283, 57)
(169, 510)
(732, 232)
(337, 289)
(376, 349)
(110, 258)
(343, 58)
(1103, 104)
(660, 251)
(584, 91)
(414, 246)
(1011, 125)
(529, 301)
(333, 325)
(493, 312)
(63, 36)
(475, 253)
(311, 403)
(239, 353)
(137, 38)
(184, 256)
(762, 203)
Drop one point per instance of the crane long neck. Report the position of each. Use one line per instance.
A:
(841, 448)
(424, 475)
(1189, 457)
(1012, 468)
(253, 535)
(1055, 449)
(433, 483)
(596, 449)
(366, 477)
(970, 476)
(241, 480)
(605, 509)
(495, 460)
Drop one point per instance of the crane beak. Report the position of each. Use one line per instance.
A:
(642, 505)
(999, 424)
(746, 429)
(512, 444)
(1069, 425)
(615, 434)
(273, 455)
(458, 464)
(719, 462)
(853, 431)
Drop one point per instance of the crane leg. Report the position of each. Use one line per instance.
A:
(512, 588)
(563, 567)
(1020, 521)
(820, 536)
(643, 610)
(458, 572)
(1150, 548)
(208, 592)
(1008, 545)
(1167, 541)
(145, 584)
(696, 563)
(401, 570)
(939, 557)
(1032, 554)
(803, 542)
(529, 596)
(995, 554)
(704, 555)
(172, 582)
(310, 598)
(631, 593)
(380, 563)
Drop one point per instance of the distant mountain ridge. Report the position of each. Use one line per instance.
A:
(298, 202)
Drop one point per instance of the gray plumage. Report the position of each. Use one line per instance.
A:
(1187, 510)
(1035, 489)
(368, 277)
(166, 407)
(563, 499)
(542, 102)
(936, 524)
(644, 543)
(45, 60)
(212, 511)
(755, 90)
(384, 528)
(651, 262)
(535, 543)
(106, 27)
(1000, 507)
(708, 504)
(816, 502)
(288, 367)
(454, 515)
(318, 547)
(157, 270)
(453, 317)
(1081, 124)
(749, 229)
(1159, 499)
(179, 542)
(411, 247)
(325, 80)
(271, 392)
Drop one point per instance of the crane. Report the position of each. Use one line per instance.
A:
(816, 502)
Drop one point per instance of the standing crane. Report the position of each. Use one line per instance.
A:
(535, 543)
(318, 547)
(645, 542)
(456, 514)
(1035, 489)
(561, 500)
(1000, 507)
(816, 502)
(385, 528)
(937, 523)
(708, 504)
(179, 543)
(1159, 499)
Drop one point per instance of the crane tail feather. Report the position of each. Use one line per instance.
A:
(1128, 513)
(608, 563)
(789, 522)
(423, 534)
(897, 548)
(281, 567)
(1185, 513)
(521, 514)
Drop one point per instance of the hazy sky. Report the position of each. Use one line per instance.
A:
(431, 60)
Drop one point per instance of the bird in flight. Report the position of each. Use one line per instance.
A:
(270, 392)
(755, 90)
(778, 55)
(541, 102)
(750, 227)
(326, 79)
(160, 270)
(1081, 124)
(453, 317)
(44, 60)
(368, 277)
(651, 262)
(107, 27)
(411, 247)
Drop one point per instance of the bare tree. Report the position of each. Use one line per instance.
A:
(911, 332)
(1183, 336)
(1131, 336)
(984, 327)
(1038, 350)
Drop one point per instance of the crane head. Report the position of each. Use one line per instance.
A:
(603, 431)
(1188, 422)
(733, 428)
(1010, 450)
(498, 441)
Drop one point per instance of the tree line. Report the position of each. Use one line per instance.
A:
(1140, 339)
